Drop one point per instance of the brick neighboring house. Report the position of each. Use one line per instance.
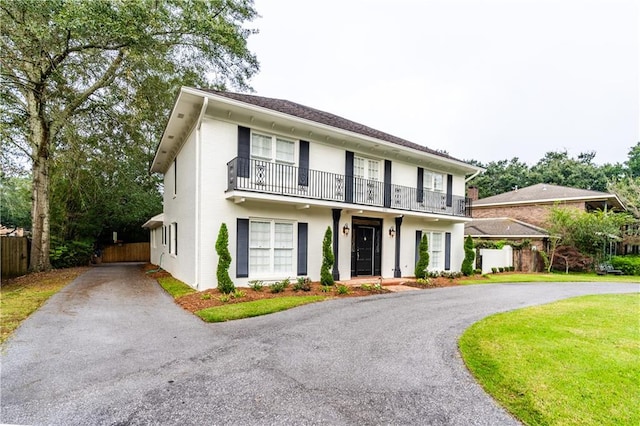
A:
(498, 229)
(531, 206)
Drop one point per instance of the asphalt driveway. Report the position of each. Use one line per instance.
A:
(113, 348)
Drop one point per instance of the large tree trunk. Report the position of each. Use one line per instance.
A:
(41, 239)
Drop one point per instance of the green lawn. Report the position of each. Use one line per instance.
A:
(174, 287)
(255, 308)
(20, 297)
(573, 362)
(553, 277)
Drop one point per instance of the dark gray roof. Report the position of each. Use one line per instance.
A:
(503, 227)
(322, 117)
(543, 192)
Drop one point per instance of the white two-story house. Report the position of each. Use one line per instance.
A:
(278, 174)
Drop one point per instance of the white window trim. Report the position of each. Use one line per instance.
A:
(272, 275)
(432, 174)
(173, 239)
(274, 146)
(441, 254)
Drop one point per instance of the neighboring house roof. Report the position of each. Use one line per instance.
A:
(154, 222)
(191, 105)
(544, 193)
(503, 227)
(322, 117)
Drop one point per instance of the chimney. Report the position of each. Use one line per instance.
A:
(472, 192)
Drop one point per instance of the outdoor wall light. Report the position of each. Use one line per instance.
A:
(392, 232)
(345, 229)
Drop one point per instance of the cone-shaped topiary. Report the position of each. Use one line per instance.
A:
(423, 258)
(326, 278)
(469, 256)
(225, 285)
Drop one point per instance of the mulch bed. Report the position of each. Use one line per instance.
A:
(208, 298)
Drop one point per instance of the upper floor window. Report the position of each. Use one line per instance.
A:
(433, 181)
(366, 168)
(272, 148)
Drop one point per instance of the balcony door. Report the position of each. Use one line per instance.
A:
(367, 188)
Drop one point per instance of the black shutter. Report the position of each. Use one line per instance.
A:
(418, 239)
(303, 166)
(387, 183)
(244, 151)
(302, 248)
(449, 190)
(348, 177)
(447, 251)
(420, 185)
(242, 248)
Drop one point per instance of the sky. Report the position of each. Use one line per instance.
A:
(486, 80)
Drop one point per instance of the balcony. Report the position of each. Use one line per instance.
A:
(281, 179)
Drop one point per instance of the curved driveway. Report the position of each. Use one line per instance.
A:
(113, 348)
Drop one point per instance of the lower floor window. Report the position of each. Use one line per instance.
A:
(173, 238)
(270, 247)
(436, 250)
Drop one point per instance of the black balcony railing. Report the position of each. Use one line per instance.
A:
(281, 179)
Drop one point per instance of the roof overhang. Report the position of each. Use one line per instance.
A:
(611, 198)
(154, 222)
(187, 112)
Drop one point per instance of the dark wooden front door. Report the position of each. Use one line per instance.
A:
(365, 237)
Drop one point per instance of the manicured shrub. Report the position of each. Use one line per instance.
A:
(423, 258)
(494, 270)
(469, 257)
(225, 285)
(629, 265)
(277, 287)
(326, 278)
(303, 283)
(342, 289)
(256, 285)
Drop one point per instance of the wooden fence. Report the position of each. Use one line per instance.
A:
(131, 252)
(14, 255)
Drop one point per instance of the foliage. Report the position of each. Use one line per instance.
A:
(15, 202)
(326, 288)
(629, 265)
(342, 289)
(568, 258)
(633, 161)
(469, 256)
(628, 191)
(302, 283)
(66, 254)
(424, 282)
(570, 374)
(326, 277)
(225, 285)
(66, 66)
(423, 258)
(589, 233)
(175, 287)
(238, 294)
(545, 260)
(371, 287)
(254, 308)
(553, 277)
(225, 297)
(277, 287)
(205, 296)
(501, 176)
(256, 285)
(494, 270)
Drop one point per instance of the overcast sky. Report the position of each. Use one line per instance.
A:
(484, 80)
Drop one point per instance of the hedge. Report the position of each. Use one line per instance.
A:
(630, 265)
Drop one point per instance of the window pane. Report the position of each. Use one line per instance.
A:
(284, 235)
(285, 151)
(358, 167)
(428, 180)
(259, 260)
(436, 241)
(283, 260)
(374, 169)
(260, 235)
(437, 182)
(260, 146)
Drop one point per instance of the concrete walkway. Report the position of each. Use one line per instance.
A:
(113, 348)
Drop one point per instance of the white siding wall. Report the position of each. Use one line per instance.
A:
(180, 209)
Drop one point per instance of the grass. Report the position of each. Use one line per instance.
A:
(573, 362)
(254, 308)
(553, 277)
(20, 297)
(174, 287)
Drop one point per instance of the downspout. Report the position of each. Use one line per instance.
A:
(205, 103)
(473, 175)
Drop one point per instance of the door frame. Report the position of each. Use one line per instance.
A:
(367, 222)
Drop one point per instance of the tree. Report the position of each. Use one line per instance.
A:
(633, 161)
(423, 258)
(558, 168)
(501, 176)
(469, 257)
(326, 278)
(62, 60)
(225, 285)
(15, 202)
